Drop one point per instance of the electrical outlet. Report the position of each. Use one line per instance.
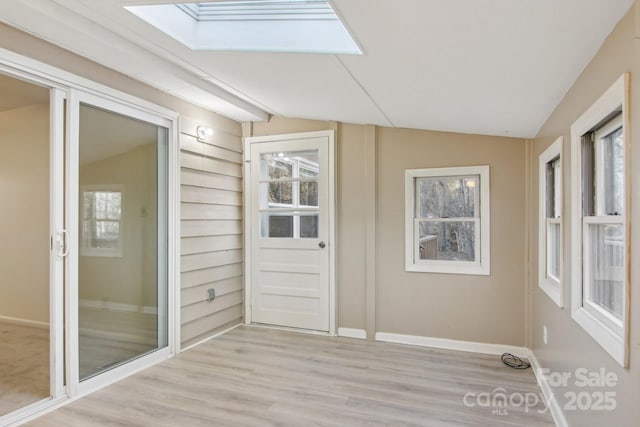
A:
(211, 294)
(545, 334)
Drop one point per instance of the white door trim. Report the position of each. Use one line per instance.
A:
(332, 217)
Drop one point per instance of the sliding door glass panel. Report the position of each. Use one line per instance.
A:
(122, 278)
(24, 254)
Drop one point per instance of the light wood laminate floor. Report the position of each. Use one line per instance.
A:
(263, 377)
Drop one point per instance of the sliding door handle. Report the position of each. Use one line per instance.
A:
(63, 243)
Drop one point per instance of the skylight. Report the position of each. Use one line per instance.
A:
(257, 25)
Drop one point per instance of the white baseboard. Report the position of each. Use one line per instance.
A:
(352, 333)
(24, 322)
(217, 334)
(552, 403)
(447, 344)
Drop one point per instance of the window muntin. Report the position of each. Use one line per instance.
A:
(101, 222)
(447, 220)
(289, 195)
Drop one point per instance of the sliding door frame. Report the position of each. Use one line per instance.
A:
(125, 109)
(67, 88)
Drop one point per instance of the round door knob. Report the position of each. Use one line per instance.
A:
(322, 245)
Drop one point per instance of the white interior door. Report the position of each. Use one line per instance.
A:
(290, 214)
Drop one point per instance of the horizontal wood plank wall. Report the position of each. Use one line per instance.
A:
(211, 231)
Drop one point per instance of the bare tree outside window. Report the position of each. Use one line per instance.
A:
(446, 211)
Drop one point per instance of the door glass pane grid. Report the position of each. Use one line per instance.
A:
(289, 194)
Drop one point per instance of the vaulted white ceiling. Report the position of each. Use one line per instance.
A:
(494, 67)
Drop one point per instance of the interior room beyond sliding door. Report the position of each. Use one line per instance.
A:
(25, 250)
(122, 263)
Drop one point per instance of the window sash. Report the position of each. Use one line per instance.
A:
(480, 202)
(600, 167)
(416, 242)
(596, 310)
(418, 200)
(553, 224)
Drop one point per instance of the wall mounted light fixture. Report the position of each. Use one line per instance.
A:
(203, 132)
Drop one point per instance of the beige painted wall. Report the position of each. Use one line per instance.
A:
(24, 213)
(486, 309)
(569, 346)
(473, 308)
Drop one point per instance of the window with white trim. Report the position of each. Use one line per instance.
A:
(550, 222)
(599, 223)
(447, 220)
(101, 222)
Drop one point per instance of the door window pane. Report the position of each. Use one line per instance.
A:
(297, 224)
(278, 194)
(280, 226)
(309, 226)
(279, 168)
(309, 193)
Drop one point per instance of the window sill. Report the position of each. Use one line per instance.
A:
(552, 290)
(478, 270)
(610, 340)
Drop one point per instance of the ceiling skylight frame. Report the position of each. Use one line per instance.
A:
(305, 26)
(265, 10)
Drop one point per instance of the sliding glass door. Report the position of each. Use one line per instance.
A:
(89, 191)
(121, 231)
